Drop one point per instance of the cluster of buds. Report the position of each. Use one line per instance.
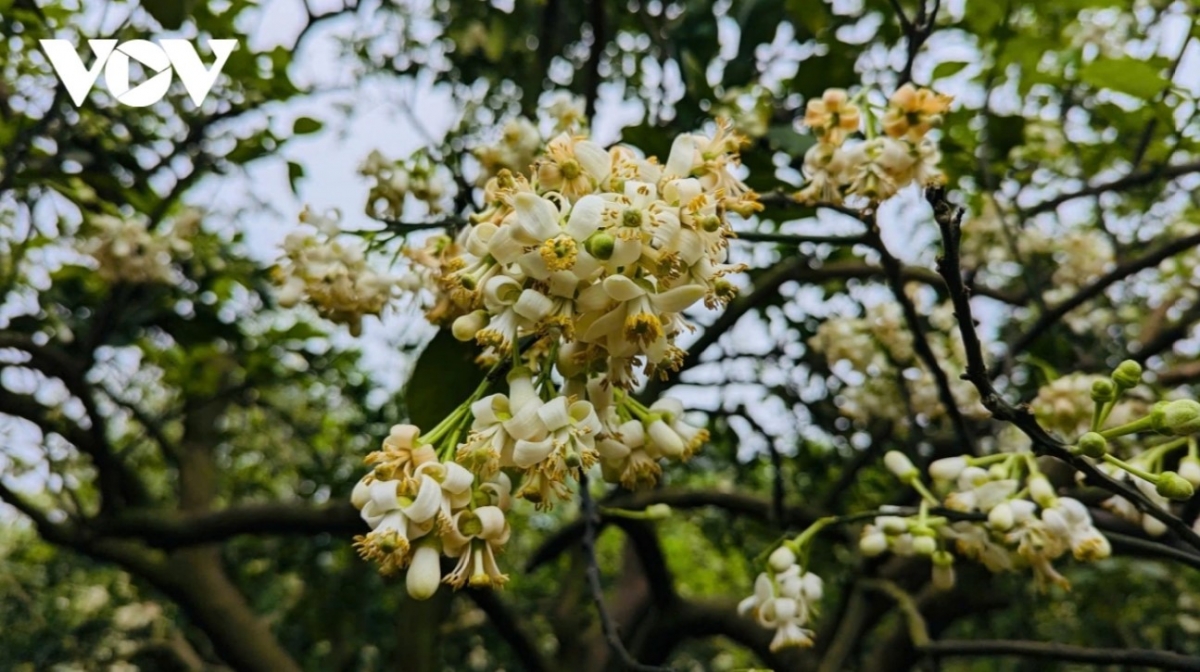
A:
(421, 507)
(393, 182)
(1145, 465)
(785, 597)
(126, 251)
(877, 166)
(332, 275)
(1024, 522)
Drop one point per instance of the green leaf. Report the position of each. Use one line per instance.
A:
(445, 375)
(306, 125)
(295, 172)
(170, 14)
(783, 137)
(948, 68)
(1125, 75)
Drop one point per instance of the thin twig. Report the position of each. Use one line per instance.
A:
(1163, 660)
(949, 220)
(591, 518)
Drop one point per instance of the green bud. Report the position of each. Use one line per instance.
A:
(1128, 374)
(600, 245)
(1173, 486)
(1103, 391)
(1091, 444)
(924, 545)
(1177, 418)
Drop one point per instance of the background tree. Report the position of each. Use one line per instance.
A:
(181, 450)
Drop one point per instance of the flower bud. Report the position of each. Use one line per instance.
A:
(892, 524)
(1173, 486)
(899, 464)
(1128, 374)
(1103, 391)
(1177, 418)
(425, 573)
(873, 544)
(1189, 469)
(1041, 491)
(600, 245)
(923, 545)
(1000, 518)
(943, 570)
(1091, 444)
(466, 326)
(948, 468)
(781, 559)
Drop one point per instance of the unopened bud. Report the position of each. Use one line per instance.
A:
(1127, 375)
(425, 573)
(600, 245)
(924, 545)
(1092, 444)
(943, 570)
(1103, 391)
(892, 524)
(948, 468)
(1189, 469)
(899, 464)
(873, 543)
(1041, 491)
(466, 326)
(1177, 418)
(781, 559)
(1000, 518)
(1173, 486)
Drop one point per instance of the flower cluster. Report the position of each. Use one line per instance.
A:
(573, 278)
(420, 508)
(331, 274)
(785, 599)
(125, 250)
(876, 167)
(878, 347)
(1025, 524)
(393, 182)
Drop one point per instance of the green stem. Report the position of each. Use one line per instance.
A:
(1141, 473)
(926, 495)
(1140, 425)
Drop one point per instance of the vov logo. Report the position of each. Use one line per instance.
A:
(160, 58)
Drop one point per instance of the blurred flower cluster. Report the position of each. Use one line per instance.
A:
(875, 167)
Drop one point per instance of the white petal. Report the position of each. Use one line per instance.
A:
(593, 298)
(625, 252)
(521, 391)
(593, 158)
(621, 288)
(682, 191)
(533, 305)
(666, 440)
(536, 216)
(682, 157)
(492, 519)
(669, 405)
(611, 322)
(677, 299)
(361, 494)
(633, 433)
(586, 217)
(504, 246)
(383, 495)
(526, 425)
(485, 410)
(529, 453)
(458, 479)
(555, 414)
(563, 283)
(427, 503)
(612, 450)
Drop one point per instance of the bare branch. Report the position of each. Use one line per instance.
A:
(1163, 660)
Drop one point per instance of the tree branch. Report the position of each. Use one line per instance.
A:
(1164, 660)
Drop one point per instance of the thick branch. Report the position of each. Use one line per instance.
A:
(1130, 181)
(1163, 660)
